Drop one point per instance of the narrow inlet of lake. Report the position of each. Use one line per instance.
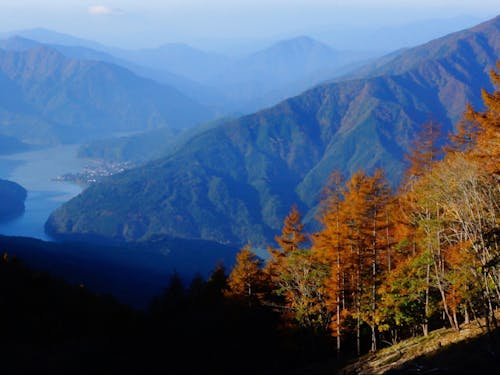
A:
(36, 171)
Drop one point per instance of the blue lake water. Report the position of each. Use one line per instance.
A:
(35, 171)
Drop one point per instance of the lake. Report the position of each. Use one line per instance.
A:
(35, 171)
(133, 275)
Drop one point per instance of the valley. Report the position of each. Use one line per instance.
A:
(307, 200)
(235, 182)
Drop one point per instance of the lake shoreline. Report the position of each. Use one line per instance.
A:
(37, 171)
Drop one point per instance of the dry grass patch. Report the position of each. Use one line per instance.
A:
(398, 355)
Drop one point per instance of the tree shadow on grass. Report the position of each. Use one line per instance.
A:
(479, 355)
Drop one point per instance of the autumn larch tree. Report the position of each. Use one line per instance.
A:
(377, 201)
(364, 212)
(487, 142)
(245, 282)
(419, 213)
(292, 239)
(301, 283)
(329, 245)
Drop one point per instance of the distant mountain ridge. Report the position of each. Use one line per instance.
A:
(268, 75)
(210, 77)
(49, 97)
(198, 92)
(396, 36)
(235, 183)
(177, 58)
(289, 55)
(284, 69)
(46, 36)
(484, 34)
(225, 84)
(251, 82)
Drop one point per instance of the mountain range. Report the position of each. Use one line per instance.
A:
(226, 85)
(48, 97)
(253, 81)
(394, 37)
(284, 69)
(82, 51)
(236, 182)
(141, 148)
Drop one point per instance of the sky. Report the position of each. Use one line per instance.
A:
(148, 23)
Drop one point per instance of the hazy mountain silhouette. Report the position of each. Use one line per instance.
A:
(393, 37)
(284, 69)
(224, 84)
(204, 94)
(46, 36)
(49, 97)
(251, 82)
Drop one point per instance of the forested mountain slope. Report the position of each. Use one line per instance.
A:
(46, 96)
(235, 183)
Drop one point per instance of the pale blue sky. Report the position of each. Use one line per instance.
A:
(136, 23)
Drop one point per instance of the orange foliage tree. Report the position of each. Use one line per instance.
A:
(329, 246)
(246, 280)
(292, 239)
(487, 122)
(352, 241)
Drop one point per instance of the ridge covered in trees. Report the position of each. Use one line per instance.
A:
(48, 98)
(235, 182)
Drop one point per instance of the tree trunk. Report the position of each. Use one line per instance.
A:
(374, 283)
(425, 325)
(388, 242)
(445, 304)
(455, 319)
(358, 306)
(439, 270)
(339, 283)
(466, 314)
(358, 336)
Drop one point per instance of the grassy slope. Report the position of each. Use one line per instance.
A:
(443, 351)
